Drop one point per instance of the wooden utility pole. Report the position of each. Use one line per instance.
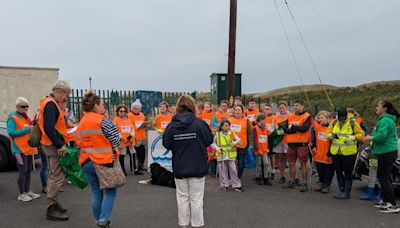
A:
(232, 51)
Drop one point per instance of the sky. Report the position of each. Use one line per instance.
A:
(175, 45)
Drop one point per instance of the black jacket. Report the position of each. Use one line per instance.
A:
(188, 137)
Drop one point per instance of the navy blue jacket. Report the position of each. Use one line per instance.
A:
(188, 137)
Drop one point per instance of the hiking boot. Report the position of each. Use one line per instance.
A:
(325, 189)
(282, 180)
(297, 181)
(103, 224)
(61, 208)
(54, 214)
(304, 188)
(33, 195)
(24, 197)
(390, 209)
(319, 187)
(290, 185)
(240, 189)
(267, 182)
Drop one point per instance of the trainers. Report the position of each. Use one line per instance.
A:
(103, 224)
(390, 209)
(267, 182)
(304, 188)
(282, 180)
(240, 189)
(325, 189)
(272, 176)
(33, 195)
(260, 181)
(290, 185)
(24, 197)
(319, 187)
(44, 189)
(297, 181)
(381, 205)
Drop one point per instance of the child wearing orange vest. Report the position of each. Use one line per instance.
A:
(163, 118)
(320, 148)
(252, 111)
(260, 136)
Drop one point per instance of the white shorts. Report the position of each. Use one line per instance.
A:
(281, 148)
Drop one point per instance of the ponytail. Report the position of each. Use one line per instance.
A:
(390, 109)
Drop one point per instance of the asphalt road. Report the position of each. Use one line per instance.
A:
(140, 205)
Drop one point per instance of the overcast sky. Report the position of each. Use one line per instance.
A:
(174, 45)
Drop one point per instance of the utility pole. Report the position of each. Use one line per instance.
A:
(90, 82)
(232, 51)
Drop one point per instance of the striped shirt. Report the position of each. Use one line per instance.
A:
(110, 130)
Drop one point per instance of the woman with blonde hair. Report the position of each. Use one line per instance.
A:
(188, 137)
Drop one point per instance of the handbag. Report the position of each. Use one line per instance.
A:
(110, 175)
(35, 136)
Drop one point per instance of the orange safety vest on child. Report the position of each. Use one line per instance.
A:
(138, 120)
(262, 141)
(126, 129)
(251, 114)
(162, 121)
(298, 120)
(22, 141)
(278, 120)
(239, 127)
(207, 117)
(219, 115)
(92, 141)
(270, 123)
(322, 144)
(61, 126)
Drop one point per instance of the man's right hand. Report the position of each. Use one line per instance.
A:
(61, 151)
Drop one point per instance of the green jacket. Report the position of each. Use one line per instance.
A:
(384, 135)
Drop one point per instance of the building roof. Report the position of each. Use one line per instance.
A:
(29, 68)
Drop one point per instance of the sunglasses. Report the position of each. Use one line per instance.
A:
(122, 111)
(24, 106)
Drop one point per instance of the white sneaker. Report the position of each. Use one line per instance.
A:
(33, 195)
(24, 197)
(390, 209)
(381, 205)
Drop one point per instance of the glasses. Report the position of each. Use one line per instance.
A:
(121, 111)
(24, 106)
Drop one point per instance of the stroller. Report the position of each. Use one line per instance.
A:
(361, 167)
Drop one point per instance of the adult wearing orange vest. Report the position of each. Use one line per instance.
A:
(222, 113)
(242, 128)
(139, 120)
(207, 113)
(252, 111)
(320, 148)
(163, 118)
(281, 149)
(19, 126)
(261, 149)
(127, 133)
(270, 125)
(298, 137)
(99, 139)
(54, 131)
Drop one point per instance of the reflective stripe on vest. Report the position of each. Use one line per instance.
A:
(22, 141)
(340, 146)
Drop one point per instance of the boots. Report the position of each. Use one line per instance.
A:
(61, 208)
(347, 189)
(369, 194)
(54, 214)
(379, 196)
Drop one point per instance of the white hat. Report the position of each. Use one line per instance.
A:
(136, 104)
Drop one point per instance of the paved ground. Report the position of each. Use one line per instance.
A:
(153, 206)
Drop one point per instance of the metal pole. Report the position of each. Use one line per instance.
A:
(232, 50)
(90, 82)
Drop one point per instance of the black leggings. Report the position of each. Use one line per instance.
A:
(385, 164)
(141, 155)
(25, 165)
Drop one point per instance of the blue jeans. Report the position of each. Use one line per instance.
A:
(102, 200)
(241, 154)
(44, 169)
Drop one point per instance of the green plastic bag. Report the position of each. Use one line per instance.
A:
(274, 139)
(72, 169)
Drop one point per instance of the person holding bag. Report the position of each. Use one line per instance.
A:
(99, 139)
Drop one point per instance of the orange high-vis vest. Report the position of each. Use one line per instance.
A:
(125, 129)
(61, 126)
(138, 120)
(239, 127)
(359, 119)
(162, 121)
(270, 123)
(251, 114)
(22, 141)
(92, 141)
(279, 119)
(220, 115)
(298, 120)
(322, 144)
(207, 117)
(262, 141)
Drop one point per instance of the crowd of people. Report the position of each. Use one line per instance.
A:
(205, 140)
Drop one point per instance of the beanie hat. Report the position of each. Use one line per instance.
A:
(136, 104)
